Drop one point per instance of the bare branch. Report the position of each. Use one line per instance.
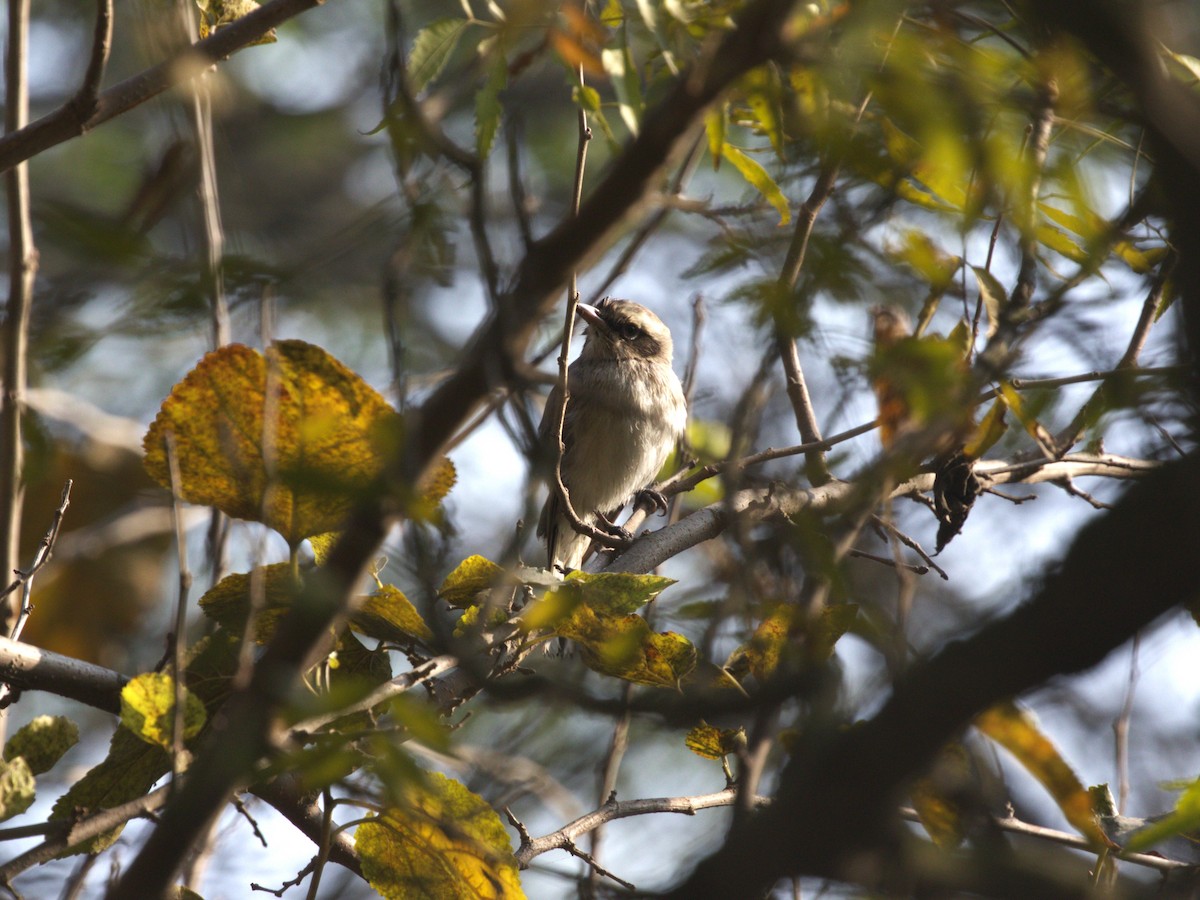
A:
(66, 122)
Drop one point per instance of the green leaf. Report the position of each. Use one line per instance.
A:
(432, 49)
(488, 108)
(993, 296)
(127, 772)
(1184, 817)
(42, 742)
(298, 470)
(472, 575)
(17, 787)
(148, 709)
(761, 180)
(440, 842)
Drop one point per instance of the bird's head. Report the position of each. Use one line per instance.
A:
(624, 330)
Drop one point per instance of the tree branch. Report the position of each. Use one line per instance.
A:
(71, 120)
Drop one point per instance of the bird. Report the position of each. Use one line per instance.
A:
(625, 412)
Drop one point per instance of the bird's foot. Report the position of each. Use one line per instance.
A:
(621, 536)
(653, 496)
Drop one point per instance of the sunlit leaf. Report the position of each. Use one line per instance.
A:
(472, 575)
(432, 49)
(715, 121)
(1185, 817)
(1043, 438)
(757, 176)
(989, 430)
(297, 471)
(388, 615)
(1016, 731)
(763, 92)
(625, 647)
(606, 593)
(148, 709)
(17, 787)
(443, 843)
(42, 742)
(713, 743)
(215, 14)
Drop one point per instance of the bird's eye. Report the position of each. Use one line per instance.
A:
(629, 331)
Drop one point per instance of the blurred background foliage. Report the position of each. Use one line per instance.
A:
(348, 225)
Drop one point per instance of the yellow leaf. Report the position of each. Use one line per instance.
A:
(439, 842)
(472, 575)
(625, 647)
(148, 709)
(1016, 731)
(217, 13)
(298, 470)
(784, 631)
(933, 796)
(713, 743)
(388, 615)
(989, 430)
(17, 787)
(760, 180)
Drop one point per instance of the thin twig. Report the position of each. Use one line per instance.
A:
(179, 638)
(620, 809)
(45, 550)
(84, 100)
(653, 223)
(1121, 726)
(22, 267)
(1016, 826)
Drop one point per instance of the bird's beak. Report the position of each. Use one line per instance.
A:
(590, 314)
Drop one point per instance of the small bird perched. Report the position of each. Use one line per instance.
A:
(625, 411)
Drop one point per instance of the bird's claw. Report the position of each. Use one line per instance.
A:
(620, 535)
(653, 496)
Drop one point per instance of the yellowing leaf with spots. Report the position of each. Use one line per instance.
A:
(439, 842)
(148, 709)
(714, 743)
(390, 616)
(606, 593)
(42, 742)
(288, 439)
(472, 575)
(625, 647)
